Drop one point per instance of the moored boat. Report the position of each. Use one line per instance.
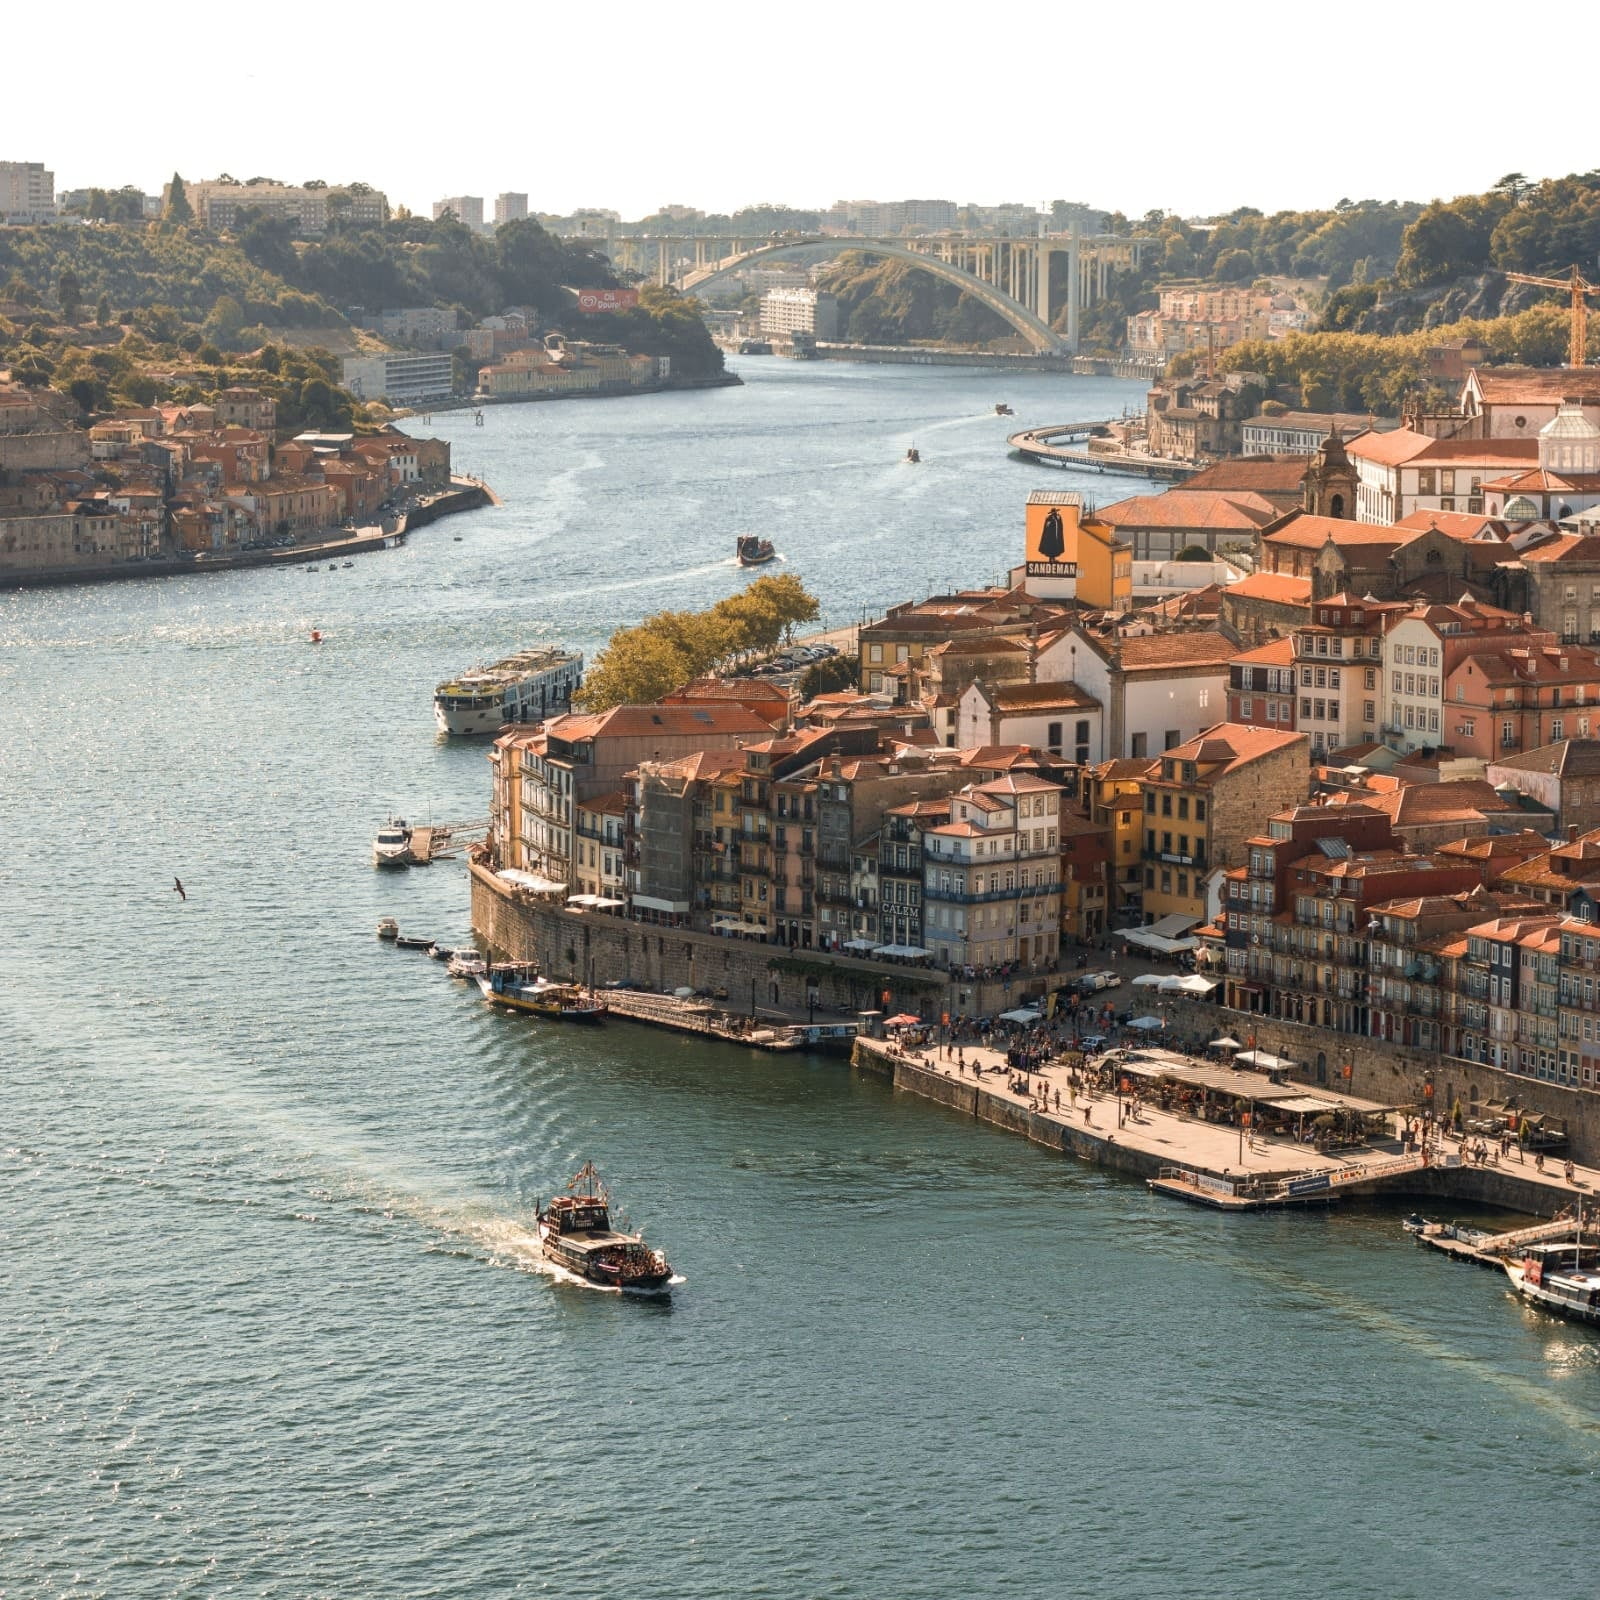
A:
(466, 964)
(392, 847)
(753, 551)
(576, 1232)
(526, 687)
(388, 928)
(517, 986)
(1560, 1278)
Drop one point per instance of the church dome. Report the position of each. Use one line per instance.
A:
(1519, 509)
(1569, 441)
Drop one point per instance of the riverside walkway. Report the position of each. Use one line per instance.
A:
(1040, 445)
(1214, 1164)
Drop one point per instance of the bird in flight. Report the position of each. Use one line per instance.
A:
(177, 883)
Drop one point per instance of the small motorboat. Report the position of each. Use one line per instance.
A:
(388, 928)
(392, 847)
(466, 964)
(316, 636)
(349, 563)
(751, 551)
(913, 456)
(405, 943)
(1001, 409)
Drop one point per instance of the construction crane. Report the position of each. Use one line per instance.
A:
(1579, 287)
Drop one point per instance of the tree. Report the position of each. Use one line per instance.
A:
(70, 293)
(829, 676)
(102, 312)
(636, 667)
(178, 209)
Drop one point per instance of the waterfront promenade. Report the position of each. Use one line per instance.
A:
(1056, 1105)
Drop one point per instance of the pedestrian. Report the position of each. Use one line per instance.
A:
(1088, 1115)
(1538, 1160)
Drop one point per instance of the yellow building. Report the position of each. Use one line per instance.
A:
(1072, 555)
(1116, 801)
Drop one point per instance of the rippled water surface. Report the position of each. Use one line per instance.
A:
(271, 1325)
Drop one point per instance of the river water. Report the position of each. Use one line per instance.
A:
(271, 1325)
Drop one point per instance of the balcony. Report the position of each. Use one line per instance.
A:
(1168, 858)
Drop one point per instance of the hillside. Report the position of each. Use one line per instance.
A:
(128, 312)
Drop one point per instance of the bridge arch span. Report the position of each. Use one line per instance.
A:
(1037, 332)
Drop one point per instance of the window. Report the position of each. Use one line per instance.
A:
(1333, 710)
(1322, 678)
(1305, 677)
(1556, 725)
(1136, 746)
(1371, 679)
(1368, 711)
(1183, 808)
(1205, 698)
(1333, 677)
(1052, 736)
(1166, 805)
(1173, 739)
(1246, 706)
(1305, 708)
(875, 653)
(1199, 811)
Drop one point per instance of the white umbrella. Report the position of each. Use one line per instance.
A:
(1149, 980)
(1144, 1024)
(1192, 984)
(1224, 1043)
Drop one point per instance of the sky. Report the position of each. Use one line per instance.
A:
(715, 105)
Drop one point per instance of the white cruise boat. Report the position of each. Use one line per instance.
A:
(526, 687)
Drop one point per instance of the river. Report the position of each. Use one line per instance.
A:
(271, 1324)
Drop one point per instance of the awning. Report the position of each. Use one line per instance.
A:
(1301, 1103)
(530, 880)
(734, 925)
(1173, 926)
(1148, 939)
(652, 903)
(1149, 980)
(1193, 983)
(1263, 1059)
(1145, 1024)
(904, 1020)
(898, 950)
(601, 904)
(859, 944)
(583, 899)
(1224, 1043)
(1022, 1014)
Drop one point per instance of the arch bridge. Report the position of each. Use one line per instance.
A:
(1011, 276)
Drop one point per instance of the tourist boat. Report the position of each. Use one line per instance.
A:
(466, 964)
(1560, 1278)
(575, 1232)
(913, 455)
(1001, 409)
(388, 928)
(752, 551)
(526, 687)
(392, 847)
(517, 986)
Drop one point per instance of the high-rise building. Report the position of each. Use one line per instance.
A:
(467, 208)
(510, 208)
(27, 192)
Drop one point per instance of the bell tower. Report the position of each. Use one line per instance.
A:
(1329, 485)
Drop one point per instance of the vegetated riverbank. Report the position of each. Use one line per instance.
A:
(465, 495)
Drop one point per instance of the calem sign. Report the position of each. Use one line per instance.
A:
(593, 300)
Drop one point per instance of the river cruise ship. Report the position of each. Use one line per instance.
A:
(526, 687)
(575, 1232)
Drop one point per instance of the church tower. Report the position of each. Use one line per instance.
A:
(1329, 486)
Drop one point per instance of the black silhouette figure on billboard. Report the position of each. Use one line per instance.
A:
(1052, 543)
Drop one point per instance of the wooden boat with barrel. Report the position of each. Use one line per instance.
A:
(753, 551)
(576, 1232)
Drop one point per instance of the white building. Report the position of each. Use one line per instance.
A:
(992, 875)
(1413, 684)
(1302, 433)
(467, 208)
(510, 208)
(400, 377)
(1404, 471)
(791, 311)
(1155, 690)
(1058, 717)
(27, 192)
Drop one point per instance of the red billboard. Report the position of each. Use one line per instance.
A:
(592, 300)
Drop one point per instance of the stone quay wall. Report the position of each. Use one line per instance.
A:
(1389, 1073)
(579, 945)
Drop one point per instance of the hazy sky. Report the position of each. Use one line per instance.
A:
(715, 105)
